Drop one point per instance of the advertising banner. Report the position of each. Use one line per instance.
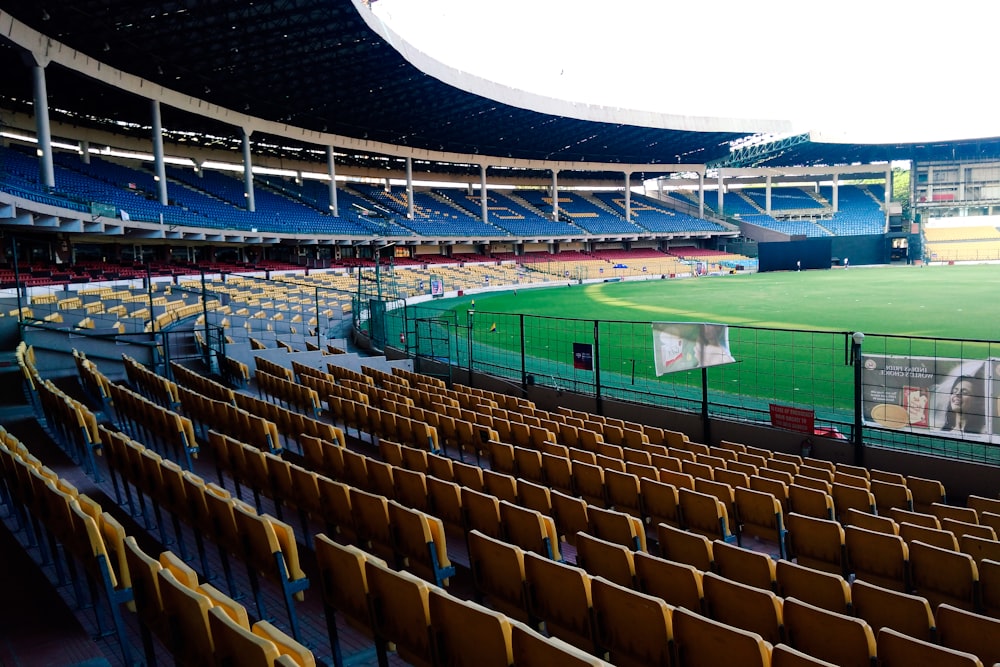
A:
(583, 356)
(437, 286)
(927, 394)
(681, 346)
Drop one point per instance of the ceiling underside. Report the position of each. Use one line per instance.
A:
(316, 64)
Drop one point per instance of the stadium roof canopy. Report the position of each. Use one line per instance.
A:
(329, 67)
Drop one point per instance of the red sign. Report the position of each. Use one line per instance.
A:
(792, 419)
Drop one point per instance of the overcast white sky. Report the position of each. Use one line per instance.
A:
(854, 70)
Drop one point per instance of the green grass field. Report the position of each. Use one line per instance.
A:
(934, 301)
(788, 332)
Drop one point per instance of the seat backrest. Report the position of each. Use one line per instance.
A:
(983, 504)
(810, 502)
(466, 633)
(753, 568)
(980, 549)
(846, 496)
(897, 649)
(925, 492)
(634, 629)
(420, 541)
(623, 492)
(760, 514)
(944, 539)
(703, 642)
(944, 576)
(972, 633)
(889, 495)
(815, 587)
(400, 610)
(570, 514)
(446, 502)
(784, 655)
(534, 496)
(744, 607)
(942, 511)
(588, 481)
(185, 612)
(917, 518)
(558, 472)
(500, 484)
(145, 585)
(878, 558)
(236, 645)
(338, 513)
(527, 529)
(660, 502)
(678, 584)
(989, 585)
(531, 649)
(683, 547)
(560, 595)
(817, 543)
(879, 524)
(498, 573)
(371, 521)
(704, 514)
(601, 558)
(482, 512)
(884, 608)
(617, 527)
(961, 528)
(411, 489)
(528, 463)
(289, 651)
(837, 638)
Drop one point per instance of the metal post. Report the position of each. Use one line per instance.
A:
(204, 312)
(319, 344)
(857, 338)
(597, 368)
(705, 424)
(524, 367)
(17, 278)
(471, 343)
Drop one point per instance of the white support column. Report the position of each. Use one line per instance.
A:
(930, 184)
(721, 188)
(248, 172)
(159, 167)
(961, 181)
(331, 171)
(555, 194)
(888, 191)
(628, 196)
(484, 204)
(767, 195)
(409, 188)
(836, 192)
(85, 151)
(701, 196)
(46, 171)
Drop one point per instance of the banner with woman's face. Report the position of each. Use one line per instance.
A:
(928, 394)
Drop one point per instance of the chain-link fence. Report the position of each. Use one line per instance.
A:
(907, 385)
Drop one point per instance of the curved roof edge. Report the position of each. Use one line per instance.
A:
(522, 99)
(46, 50)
